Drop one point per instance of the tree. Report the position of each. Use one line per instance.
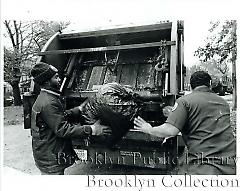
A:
(25, 40)
(44, 30)
(220, 50)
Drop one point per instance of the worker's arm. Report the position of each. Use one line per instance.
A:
(164, 130)
(174, 124)
(76, 111)
(53, 116)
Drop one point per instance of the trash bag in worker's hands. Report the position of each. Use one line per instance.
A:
(115, 107)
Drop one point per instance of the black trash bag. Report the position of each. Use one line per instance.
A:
(119, 124)
(114, 106)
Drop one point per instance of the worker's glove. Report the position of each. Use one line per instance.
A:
(141, 125)
(98, 129)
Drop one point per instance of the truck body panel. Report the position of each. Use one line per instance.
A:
(149, 59)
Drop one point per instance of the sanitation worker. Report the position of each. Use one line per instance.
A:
(203, 118)
(50, 129)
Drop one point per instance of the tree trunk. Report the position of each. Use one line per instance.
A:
(16, 93)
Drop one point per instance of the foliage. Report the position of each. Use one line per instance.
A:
(44, 30)
(221, 47)
(26, 39)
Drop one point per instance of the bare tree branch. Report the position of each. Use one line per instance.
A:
(17, 34)
(7, 24)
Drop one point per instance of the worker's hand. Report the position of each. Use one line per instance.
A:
(142, 125)
(82, 106)
(98, 129)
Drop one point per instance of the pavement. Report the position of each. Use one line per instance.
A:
(18, 150)
(8, 171)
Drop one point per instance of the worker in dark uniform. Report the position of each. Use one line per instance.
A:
(203, 118)
(51, 132)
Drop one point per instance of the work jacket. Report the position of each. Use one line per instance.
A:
(52, 133)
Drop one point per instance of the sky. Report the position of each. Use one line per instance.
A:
(195, 33)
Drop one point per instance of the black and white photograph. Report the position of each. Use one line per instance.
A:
(146, 99)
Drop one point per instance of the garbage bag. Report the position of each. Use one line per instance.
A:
(114, 106)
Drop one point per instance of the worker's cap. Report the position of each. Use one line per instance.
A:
(42, 72)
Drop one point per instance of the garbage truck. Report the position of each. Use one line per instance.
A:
(146, 58)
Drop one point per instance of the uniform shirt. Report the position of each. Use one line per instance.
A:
(204, 121)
